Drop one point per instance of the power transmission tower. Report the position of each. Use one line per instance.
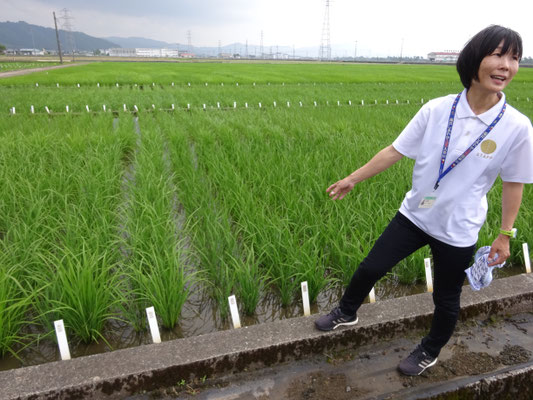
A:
(246, 52)
(325, 42)
(261, 49)
(67, 27)
(189, 42)
(219, 49)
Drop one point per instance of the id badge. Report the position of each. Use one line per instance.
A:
(427, 202)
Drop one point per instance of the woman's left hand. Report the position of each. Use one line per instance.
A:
(500, 246)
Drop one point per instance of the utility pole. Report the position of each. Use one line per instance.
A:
(57, 38)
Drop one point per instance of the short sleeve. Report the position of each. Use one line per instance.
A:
(518, 163)
(409, 141)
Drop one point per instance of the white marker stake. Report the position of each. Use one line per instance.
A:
(204, 106)
(387, 102)
(153, 106)
(66, 108)
(259, 105)
(349, 102)
(117, 84)
(314, 102)
(305, 299)
(32, 110)
(234, 104)
(301, 105)
(234, 312)
(98, 84)
(173, 107)
(206, 84)
(47, 109)
(375, 102)
(288, 104)
(188, 106)
(275, 104)
(12, 110)
(87, 107)
(172, 83)
(429, 279)
(62, 340)
(125, 108)
(78, 85)
(246, 105)
(57, 84)
(396, 101)
(372, 296)
(527, 260)
(338, 103)
(135, 108)
(36, 85)
(104, 108)
(407, 101)
(189, 83)
(152, 321)
(362, 102)
(218, 104)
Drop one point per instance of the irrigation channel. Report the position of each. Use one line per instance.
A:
(125, 196)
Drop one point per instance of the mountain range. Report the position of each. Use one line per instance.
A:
(21, 35)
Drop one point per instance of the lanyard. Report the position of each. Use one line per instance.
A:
(467, 151)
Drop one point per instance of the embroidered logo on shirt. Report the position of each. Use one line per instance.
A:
(488, 146)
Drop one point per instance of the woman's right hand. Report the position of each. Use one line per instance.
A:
(341, 188)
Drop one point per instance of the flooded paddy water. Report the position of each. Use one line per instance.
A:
(201, 316)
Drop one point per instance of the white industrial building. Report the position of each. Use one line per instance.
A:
(144, 52)
(444, 56)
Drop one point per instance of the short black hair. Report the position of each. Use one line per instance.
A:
(483, 44)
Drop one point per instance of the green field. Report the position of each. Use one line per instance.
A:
(200, 179)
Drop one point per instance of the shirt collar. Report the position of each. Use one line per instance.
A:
(464, 110)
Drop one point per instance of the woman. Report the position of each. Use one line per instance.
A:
(460, 144)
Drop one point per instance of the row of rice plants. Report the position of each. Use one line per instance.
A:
(154, 241)
(62, 189)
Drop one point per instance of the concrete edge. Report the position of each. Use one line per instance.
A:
(513, 383)
(122, 372)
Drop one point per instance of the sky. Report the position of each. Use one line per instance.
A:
(363, 28)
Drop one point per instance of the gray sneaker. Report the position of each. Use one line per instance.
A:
(334, 319)
(416, 362)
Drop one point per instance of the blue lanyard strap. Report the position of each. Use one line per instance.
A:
(467, 151)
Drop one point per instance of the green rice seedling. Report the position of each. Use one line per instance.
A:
(15, 301)
(82, 292)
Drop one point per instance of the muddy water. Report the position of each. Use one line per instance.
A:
(200, 316)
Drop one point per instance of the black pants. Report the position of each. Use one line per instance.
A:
(400, 239)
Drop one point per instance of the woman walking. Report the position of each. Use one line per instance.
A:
(460, 144)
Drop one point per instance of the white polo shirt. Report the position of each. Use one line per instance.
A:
(460, 207)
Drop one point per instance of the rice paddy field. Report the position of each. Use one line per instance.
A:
(129, 185)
